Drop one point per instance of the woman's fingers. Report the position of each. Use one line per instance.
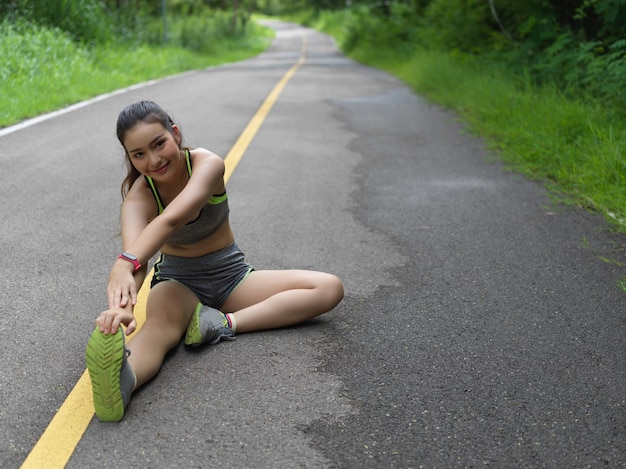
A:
(122, 289)
(110, 320)
(132, 325)
(119, 297)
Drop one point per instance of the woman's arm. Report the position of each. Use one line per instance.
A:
(207, 179)
(137, 210)
(124, 283)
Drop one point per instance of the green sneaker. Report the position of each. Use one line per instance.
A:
(112, 378)
(208, 325)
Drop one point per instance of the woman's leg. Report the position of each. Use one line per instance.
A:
(269, 299)
(168, 311)
(114, 374)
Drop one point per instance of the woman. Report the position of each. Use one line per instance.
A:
(175, 202)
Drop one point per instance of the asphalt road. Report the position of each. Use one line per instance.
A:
(482, 324)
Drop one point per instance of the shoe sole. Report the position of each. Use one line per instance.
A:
(104, 356)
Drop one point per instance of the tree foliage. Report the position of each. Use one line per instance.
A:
(101, 21)
(86, 20)
(577, 45)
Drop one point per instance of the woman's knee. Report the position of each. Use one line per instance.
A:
(331, 287)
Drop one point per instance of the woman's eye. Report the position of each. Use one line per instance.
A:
(160, 143)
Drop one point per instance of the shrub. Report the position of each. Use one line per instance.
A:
(85, 20)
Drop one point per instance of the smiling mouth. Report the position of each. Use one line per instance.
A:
(161, 169)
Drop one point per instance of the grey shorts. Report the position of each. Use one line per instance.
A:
(212, 277)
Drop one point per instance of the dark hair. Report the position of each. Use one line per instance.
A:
(143, 111)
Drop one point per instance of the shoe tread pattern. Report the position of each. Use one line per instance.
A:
(104, 356)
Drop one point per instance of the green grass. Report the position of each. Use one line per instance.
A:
(44, 69)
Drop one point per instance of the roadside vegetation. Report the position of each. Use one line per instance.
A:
(58, 52)
(542, 81)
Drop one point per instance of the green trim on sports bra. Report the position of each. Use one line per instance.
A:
(155, 193)
(188, 158)
(218, 199)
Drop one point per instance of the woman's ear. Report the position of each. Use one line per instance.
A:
(177, 135)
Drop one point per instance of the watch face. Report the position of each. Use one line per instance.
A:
(129, 256)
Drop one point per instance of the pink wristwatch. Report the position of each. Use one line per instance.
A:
(130, 258)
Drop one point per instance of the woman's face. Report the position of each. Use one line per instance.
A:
(153, 150)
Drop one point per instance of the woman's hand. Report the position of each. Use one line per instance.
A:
(110, 320)
(122, 287)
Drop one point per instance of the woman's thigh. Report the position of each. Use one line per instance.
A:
(260, 285)
(171, 303)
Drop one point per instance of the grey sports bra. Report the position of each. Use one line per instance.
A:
(211, 217)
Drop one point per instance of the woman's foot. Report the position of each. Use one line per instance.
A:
(208, 325)
(112, 378)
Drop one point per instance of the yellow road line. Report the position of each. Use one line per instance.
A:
(57, 443)
(240, 146)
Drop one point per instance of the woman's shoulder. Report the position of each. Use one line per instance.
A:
(202, 153)
(140, 203)
(139, 194)
(139, 186)
(211, 162)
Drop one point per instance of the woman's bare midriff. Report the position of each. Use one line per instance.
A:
(218, 240)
